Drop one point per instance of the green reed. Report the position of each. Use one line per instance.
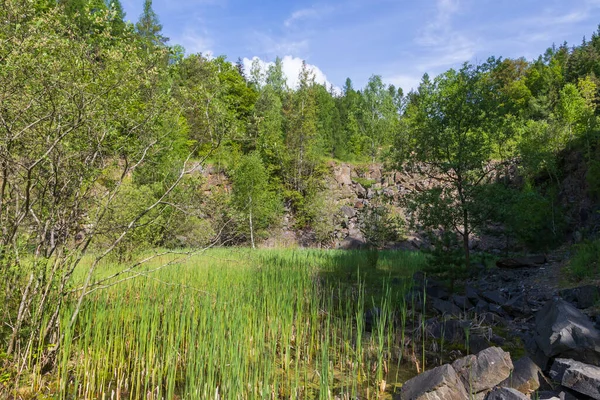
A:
(240, 324)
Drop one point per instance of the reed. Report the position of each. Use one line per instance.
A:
(240, 324)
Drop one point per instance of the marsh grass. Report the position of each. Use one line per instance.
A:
(239, 324)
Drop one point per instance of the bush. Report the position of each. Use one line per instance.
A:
(586, 261)
(381, 223)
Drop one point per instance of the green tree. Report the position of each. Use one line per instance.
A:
(349, 106)
(80, 115)
(268, 124)
(149, 27)
(252, 196)
(379, 115)
(449, 137)
(117, 18)
(205, 103)
(301, 133)
(328, 123)
(276, 78)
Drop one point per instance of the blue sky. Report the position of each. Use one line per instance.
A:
(397, 39)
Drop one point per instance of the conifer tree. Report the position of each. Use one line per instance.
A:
(149, 27)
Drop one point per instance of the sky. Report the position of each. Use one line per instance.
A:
(397, 39)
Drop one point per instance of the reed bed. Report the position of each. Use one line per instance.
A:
(240, 324)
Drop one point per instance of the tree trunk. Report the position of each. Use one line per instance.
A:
(466, 238)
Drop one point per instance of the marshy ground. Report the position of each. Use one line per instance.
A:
(245, 324)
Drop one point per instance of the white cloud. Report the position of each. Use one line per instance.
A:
(300, 14)
(447, 45)
(195, 42)
(273, 46)
(307, 13)
(291, 67)
(407, 82)
(437, 31)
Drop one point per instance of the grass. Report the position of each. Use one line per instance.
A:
(585, 263)
(240, 324)
(364, 182)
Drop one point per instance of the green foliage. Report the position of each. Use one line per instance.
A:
(149, 27)
(131, 201)
(379, 116)
(536, 220)
(450, 132)
(268, 124)
(381, 224)
(530, 217)
(364, 182)
(586, 261)
(252, 195)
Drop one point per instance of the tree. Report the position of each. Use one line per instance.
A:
(276, 78)
(328, 123)
(117, 19)
(379, 114)
(79, 117)
(268, 124)
(301, 132)
(349, 106)
(149, 27)
(448, 136)
(204, 102)
(251, 194)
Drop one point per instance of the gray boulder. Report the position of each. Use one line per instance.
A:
(436, 384)
(575, 375)
(548, 395)
(448, 330)
(462, 302)
(446, 307)
(525, 376)
(561, 330)
(516, 306)
(494, 296)
(503, 393)
(361, 192)
(521, 262)
(485, 370)
(348, 211)
(583, 296)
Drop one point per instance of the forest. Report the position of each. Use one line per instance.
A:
(105, 128)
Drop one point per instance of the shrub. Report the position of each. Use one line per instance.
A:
(586, 261)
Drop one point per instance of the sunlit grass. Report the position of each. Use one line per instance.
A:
(240, 324)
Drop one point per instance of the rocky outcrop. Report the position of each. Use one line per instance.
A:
(582, 296)
(469, 377)
(561, 330)
(485, 370)
(436, 384)
(521, 262)
(503, 393)
(575, 375)
(525, 376)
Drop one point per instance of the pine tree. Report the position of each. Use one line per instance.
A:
(301, 135)
(149, 27)
(276, 78)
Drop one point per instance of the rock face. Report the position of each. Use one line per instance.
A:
(561, 330)
(525, 377)
(504, 393)
(441, 383)
(521, 262)
(446, 307)
(583, 296)
(580, 377)
(485, 370)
